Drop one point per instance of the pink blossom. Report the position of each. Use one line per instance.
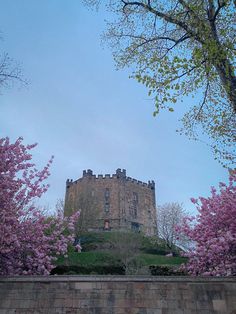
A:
(29, 241)
(193, 200)
(214, 233)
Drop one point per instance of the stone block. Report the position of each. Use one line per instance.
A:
(84, 285)
(219, 305)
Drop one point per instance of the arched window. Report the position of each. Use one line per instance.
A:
(135, 204)
(107, 200)
(106, 224)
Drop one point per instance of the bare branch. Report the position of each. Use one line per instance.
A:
(186, 72)
(183, 38)
(166, 17)
(220, 6)
(204, 100)
(9, 72)
(189, 10)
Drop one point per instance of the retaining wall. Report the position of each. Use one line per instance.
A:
(117, 295)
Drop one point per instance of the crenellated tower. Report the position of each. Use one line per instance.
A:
(120, 202)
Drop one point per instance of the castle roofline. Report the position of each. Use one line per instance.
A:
(120, 174)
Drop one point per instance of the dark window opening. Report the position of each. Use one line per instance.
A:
(135, 197)
(107, 207)
(135, 226)
(149, 214)
(107, 224)
(107, 200)
(135, 205)
(107, 193)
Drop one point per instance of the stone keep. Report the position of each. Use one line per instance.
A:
(118, 202)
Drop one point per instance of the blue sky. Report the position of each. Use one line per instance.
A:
(87, 114)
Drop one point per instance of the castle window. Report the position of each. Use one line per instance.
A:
(135, 197)
(107, 207)
(135, 204)
(106, 224)
(135, 226)
(149, 214)
(107, 200)
(107, 193)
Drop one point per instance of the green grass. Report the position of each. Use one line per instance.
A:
(97, 253)
(87, 259)
(104, 258)
(151, 259)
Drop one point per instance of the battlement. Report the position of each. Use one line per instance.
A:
(120, 174)
(136, 181)
(87, 173)
(69, 182)
(121, 202)
(151, 184)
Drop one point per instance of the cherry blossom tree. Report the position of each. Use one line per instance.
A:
(29, 240)
(168, 216)
(214, 232)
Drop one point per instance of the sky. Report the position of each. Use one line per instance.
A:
(80, 109)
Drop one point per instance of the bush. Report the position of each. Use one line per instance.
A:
(157, 270)
(155, 251)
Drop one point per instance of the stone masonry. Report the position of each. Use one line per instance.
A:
(116, 295)
(119, 202)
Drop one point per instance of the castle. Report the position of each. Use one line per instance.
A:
(118, 202)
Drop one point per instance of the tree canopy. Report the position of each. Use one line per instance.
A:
(180, 48)
(214, 232)
(169, 216)
(29, 241)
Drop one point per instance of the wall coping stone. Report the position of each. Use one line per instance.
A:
(101, 278)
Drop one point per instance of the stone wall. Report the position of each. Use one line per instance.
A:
(117, 295)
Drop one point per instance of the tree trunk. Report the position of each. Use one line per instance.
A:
(223, 66)
(225, 72)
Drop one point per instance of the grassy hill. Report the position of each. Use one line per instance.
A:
(119, 253)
